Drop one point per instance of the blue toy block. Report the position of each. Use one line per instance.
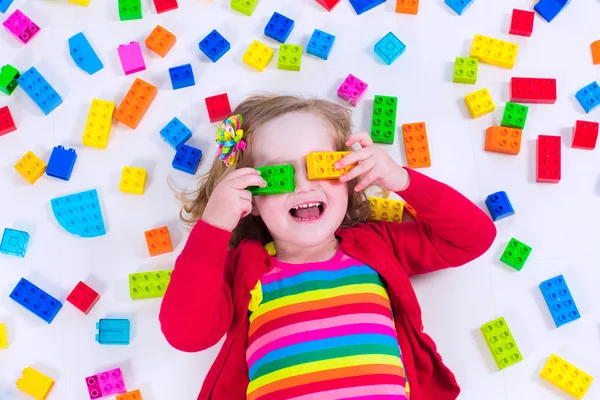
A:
(175, 133)
(389, 48)
(113, 331)
(61, 163)
(458, 6)
(36, 300)
(14, 242)
(559, 300)
(182, 76)
(39, 90)
(84, 55)
(360, 6)
(187, 159)
(499, 206)
(548, 9)
(589, 97)
(320, 44)
(4, 4)
(214, 46)
(279, 27)
(80, 214)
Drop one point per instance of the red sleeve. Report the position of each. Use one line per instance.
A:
(197, 309)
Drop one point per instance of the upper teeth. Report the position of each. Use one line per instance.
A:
(307, 205)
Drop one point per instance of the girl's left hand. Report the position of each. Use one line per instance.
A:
(375, 166)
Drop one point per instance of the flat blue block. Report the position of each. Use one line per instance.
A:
(175, 133)
(39, 90)
(279, 27)
(35, 300)
(499, 206)
(4, 4)
(84, 55)
(79, 214)
(113, 331)
(320, 44)
(14, 242)
(459, 6)
(360, 6)
(389, 48)
(548, 9)
(559, 300)
(214, 46)
(61, 163)
(187, 159)
(589, 97)
(182, 76)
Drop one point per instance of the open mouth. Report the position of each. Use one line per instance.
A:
(308, 211)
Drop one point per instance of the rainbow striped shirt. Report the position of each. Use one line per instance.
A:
(323, 330)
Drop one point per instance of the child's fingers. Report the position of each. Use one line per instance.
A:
(242, 172)
(355, 156)
(362, 138)
(360, 169)
(244, 181)
(366, 180)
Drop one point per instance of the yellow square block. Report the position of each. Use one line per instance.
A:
(258, 55)
(34, 383)
(386, 209)
(99, 123)
(566, 376)
(133, 180)
(494, 51)
(81, 2)
(3, 337)
(479, 103)
(319, 165)
(30, 167)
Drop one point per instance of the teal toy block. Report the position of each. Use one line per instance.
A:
(290, 57)
(465, 70)
(515, 115)
(14, 242)
(113, 331)
(84, 55)
(516, 254)
(279, 178)
(39, 90)
(80, 214)
(130, 9)
(383, 125)
(389, 48)
(9, 76)
(559, 300)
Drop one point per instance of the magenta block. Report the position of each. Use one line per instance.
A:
(131, 57)
(21, 27)
(105, 384)
(352, 90)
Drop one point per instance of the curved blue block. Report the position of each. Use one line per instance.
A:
(80, 214)
(84, 55)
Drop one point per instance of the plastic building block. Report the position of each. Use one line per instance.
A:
(290, 57)
(160, 41)
(34, 383)
(99, 124)
(279, 178)
(175, 133)
(258, 55)
(320, 165)
(149, 285)
(352, 90)
(113, 331)
(596, 52)
(218, 107)
(533, 90)
(515, 254)
(105, 384)
(214, 46)
(389, 48)
(458, 6)
(386, 209)
(83, 297)
(270, 248)
(39, 90)
(320, 44)
(133, 180)
(3, 337)
(182, 76)
(187, 159)
(14, 242)
(361, 6)
(566, 376)
(5, 4)
(465, 70)
(549, 9)
(514, 115)
(136, 103)
(328, 4)
(503, 140)
(493, 51)
(410, 210)
(279, 27)
(7, 124)
(416, 145)
(84, 55)
(559, 300)
(30, 167)
(407, 6)
(501, 343)
(158, 241)
(499, 206)
(80, 214)
(131, 58)
(61, 163)
(84, 3)
(130, 9)
(479, 103)
(21, 27)
(585, 135)
(548, 159)
(35, 300)
(8, 79)
(165, 5)
(521, 22)
(383, 124)
(135, 395)
(244, 6)
(589, 97)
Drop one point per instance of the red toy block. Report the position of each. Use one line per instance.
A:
(159, 241)
(533, 90)
(548, 159)
(522, 22)
(165, 5)
(6, 121)
(83, 297)
(585, 134)
(328, 4)
(218, 107)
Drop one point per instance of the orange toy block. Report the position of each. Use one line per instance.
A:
(160, 41)
(410, 210)
(136, 103)
(503, 140)
(416, 145)
(159, 241)
(135, 395)
(407, 6)
(596, 52)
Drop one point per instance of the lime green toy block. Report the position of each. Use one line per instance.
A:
(383, 125)
(244, 6)
(148, 285)
(515, 254)
(465, 70)
(501, 343)
(8, 79)
(290, 57)
(130, 9)
(279, 178)
(515, 115)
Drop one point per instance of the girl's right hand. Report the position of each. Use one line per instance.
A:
(231, 201)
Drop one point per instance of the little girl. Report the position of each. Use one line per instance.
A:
(333, 314)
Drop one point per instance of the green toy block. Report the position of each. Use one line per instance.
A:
(515, 254)
(515, 115)
(383, 126)
(148, 285)
(8, 79)
(290, 57)
(465, 70)
(130, 9)
(501, 343)
(244, 6)
(280, 179)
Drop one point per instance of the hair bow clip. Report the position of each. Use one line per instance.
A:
(229, 139)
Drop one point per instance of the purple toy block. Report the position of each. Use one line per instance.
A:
(21, 27)
(105, 384)
(352, 90)
(131, 57)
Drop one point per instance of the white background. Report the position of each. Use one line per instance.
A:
(559, 221)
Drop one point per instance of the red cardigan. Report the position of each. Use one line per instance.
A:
(210, 287)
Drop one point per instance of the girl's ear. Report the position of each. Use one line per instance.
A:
(254, 211)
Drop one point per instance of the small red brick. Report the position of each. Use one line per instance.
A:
(548, 159)
(6, 121)
(165, 5)
(328, 4)
(218, 107)
(585, 135)
(522, 22)
(83, 297)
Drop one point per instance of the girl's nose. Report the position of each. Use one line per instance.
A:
(303, 184)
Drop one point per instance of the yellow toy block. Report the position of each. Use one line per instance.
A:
(258, 55)
(133, 180)
(386, 209)
(494, 51)
(81, 2)
(566, 376)
(30, 167)
(34, 383)
(99, 123)
(479, 103)
(3, 337)
(270, 247)
(320, 165)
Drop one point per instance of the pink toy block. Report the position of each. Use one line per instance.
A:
(21, 27)
(131, 57)
(352, 90)
(105, 384)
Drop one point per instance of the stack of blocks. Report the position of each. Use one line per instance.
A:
(80, 214)
(501, 343)
(158, 241)
(279, 179)
(34, 383)
(160, 41)
(14, 242)
(319, 165)
(36, 300)
(516, 254)
(148, 285)
(352, 90)
(113, 332)
(187, 159)
(105, 384)
(133, 180)
(383, 124)
(416, 145)
(175, 133)
(386, 209)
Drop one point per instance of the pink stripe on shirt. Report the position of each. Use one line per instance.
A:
(387, 392)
